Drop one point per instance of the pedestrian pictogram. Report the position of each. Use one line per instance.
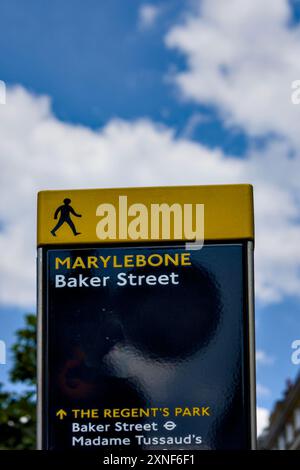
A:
(65, 211)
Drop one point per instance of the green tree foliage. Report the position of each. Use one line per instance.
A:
(18, 410)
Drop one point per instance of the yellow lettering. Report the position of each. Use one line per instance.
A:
(128, 261)
(152, 262)
(78, 263)
(186, 259)
(92, 262)
(140, 261)
(104, 260)
(171, 259)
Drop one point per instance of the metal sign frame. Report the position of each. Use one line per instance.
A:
(42, 338)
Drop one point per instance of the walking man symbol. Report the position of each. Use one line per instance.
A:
(65, 211)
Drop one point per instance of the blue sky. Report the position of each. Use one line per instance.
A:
(96, 63)
(116, 73)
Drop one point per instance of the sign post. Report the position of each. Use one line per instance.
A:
(145, 318)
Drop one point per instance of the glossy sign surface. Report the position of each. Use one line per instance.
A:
(146, 347)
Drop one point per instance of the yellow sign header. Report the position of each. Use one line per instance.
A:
(179, 213)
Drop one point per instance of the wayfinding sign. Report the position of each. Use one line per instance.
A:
(146, 336)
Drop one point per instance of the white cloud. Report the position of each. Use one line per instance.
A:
(242, 57)
(262, 391)
(148, 15)
(262, 358)
(37, 151)
(262, 416)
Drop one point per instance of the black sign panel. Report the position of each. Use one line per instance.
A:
(145, 347)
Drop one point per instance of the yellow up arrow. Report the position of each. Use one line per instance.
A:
(61, 414)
